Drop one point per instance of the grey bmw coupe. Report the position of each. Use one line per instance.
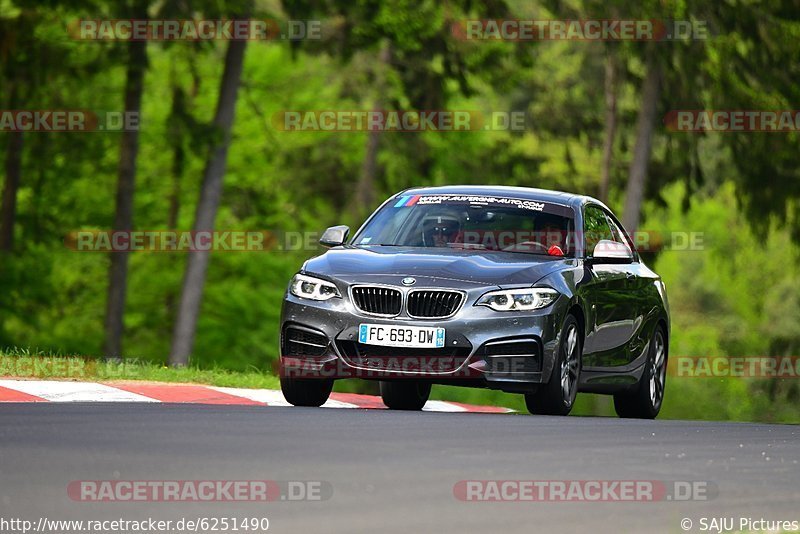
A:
(527, 291)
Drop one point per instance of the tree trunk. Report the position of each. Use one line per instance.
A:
(13, 173)
(611, 124)
(176, 129)
(634, 194)
(176, 132)
(197, 263)
(126, 181)
(365, 190)
(8, 214)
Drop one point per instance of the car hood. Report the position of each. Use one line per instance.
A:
(471, 267)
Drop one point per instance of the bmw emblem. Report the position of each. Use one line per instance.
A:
(408, 281)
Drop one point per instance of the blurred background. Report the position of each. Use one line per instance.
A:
(594, 123)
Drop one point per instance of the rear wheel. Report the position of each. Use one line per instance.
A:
(557, 396)
(300, 392)
(645, 402)
(405, 394)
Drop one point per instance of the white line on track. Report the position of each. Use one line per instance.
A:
(58, 391)
(274, 397)
(55, 391)
(442, 406)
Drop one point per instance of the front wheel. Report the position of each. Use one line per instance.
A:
(405, 394)
(306, 392)
(645, 401)
(557, 396)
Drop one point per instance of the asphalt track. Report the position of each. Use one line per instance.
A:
(391, 471)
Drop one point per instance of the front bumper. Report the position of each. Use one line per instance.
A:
(511, 351)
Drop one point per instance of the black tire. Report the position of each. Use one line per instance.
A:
(405, 394)
(646, 400)
(300, 392)
(557, 396)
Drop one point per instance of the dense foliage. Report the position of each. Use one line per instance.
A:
(738, 295)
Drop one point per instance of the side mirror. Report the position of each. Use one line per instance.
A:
(334, 236)
(607, 251)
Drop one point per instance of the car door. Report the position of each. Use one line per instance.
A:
(611, 307)
(640, 294)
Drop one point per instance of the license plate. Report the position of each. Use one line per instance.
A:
(401, 336)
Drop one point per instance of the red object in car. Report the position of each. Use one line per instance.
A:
(555, 250)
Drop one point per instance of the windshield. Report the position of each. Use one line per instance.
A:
(472, 222)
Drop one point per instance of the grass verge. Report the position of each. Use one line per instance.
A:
(722, 399)
(23, 363)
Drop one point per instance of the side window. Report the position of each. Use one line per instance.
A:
(619, 235)
(596, 228)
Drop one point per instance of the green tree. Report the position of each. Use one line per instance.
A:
(126, 186)
(210, 193)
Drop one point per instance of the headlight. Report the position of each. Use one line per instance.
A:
(308, 287)
(524, 299)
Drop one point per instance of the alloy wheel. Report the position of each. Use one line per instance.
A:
(658, 371)
(569, 365)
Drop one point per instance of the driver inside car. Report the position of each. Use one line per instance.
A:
(551, 235)
(440, 230)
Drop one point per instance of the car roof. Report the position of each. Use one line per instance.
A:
(526, 193)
